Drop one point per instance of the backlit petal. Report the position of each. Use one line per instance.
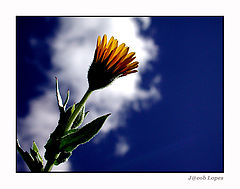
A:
(110, 61)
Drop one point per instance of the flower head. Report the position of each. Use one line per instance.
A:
(110, 62)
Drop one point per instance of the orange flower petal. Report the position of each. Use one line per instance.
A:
(97, 48)
(121, 54)
(109, 42)
(128, 72)
(120, 48)
(131, 54)
(103, 44)
(118, 54)
(108, 48)
(115, 44)
(98, 41)
(125, 63)
(120, 61)
(104, 40)
(111, 56)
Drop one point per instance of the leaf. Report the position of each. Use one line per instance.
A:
(25, 155)
(52, 146)
(79, 119)
(82, 135)
(29, 160)
(35, 149)
(86, 113)
(64, 156)
(59, 98)
(66, 100)
(37, 162)
(71, 131)
(72, 109)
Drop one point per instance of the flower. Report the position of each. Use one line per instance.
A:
(110, 62)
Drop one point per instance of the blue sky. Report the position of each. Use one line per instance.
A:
(168, 118)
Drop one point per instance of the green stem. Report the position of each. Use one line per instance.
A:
(49, 164)
(77, 110)
(72, 118)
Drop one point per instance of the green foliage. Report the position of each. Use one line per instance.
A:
(64, 156)
(37, 156)
(72, 109)
(82, 135)
(52, 146)
(79, 119)
(32, 160)
(59, 98)
(66, 100)
(53, 151)
(67, 136)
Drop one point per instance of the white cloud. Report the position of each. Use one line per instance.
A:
(72, 52)
(146, 21)
(122, 147)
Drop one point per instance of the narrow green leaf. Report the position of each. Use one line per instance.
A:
(66, 100)
(29, 160)
(59, 98)
(86, 113)
(36, 159)
(73, 108)
(35, 148)
(25, 155)
(83, 135)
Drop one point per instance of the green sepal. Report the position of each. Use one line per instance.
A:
(79, 119)
(63, 156)
(82, 135)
